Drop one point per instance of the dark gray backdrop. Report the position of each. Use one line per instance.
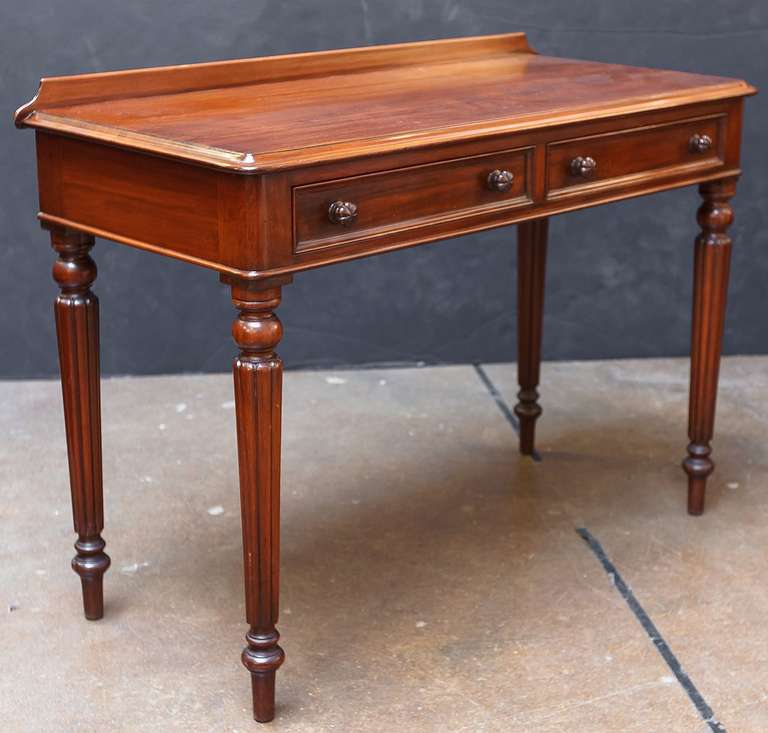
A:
(619, 277)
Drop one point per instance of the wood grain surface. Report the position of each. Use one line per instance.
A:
(281, 112)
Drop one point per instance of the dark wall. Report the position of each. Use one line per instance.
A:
(619, 276)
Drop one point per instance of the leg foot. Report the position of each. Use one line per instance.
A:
(90, 563)
(710, 287)
(698, 465)
(531, 266)
(263, 691)
(262, 657)
(527, 418)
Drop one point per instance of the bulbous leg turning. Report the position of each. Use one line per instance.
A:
(90, 563)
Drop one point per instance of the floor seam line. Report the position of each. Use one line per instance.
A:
(510, 416)
(501, 403)
(701, 705)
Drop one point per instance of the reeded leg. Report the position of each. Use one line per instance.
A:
(258, 373)
(710, 286)
(531, 265)
(77, 326)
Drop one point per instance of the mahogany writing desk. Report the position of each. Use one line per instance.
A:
(262, 168)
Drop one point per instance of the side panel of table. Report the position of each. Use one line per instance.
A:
(190, 212)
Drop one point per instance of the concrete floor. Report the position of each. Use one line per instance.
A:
(432, 578)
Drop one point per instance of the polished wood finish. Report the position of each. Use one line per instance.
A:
(712, 261)
(227, 222)
(261, 168)
(598, 160)
(161, 205)
(258, 374)
(311, 108)
(395, 201)
(77, 325)
(531, 267)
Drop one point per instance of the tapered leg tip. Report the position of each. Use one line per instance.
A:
(695, 508)
(527, 411)
(93, 598)
(527, 438)
(696, 493)
(263, 687)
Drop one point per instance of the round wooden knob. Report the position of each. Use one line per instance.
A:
(500, 180)
(699, 143)
(583, 166)
(342, 212)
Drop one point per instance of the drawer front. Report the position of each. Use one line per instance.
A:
(361, 207)
(630, 156)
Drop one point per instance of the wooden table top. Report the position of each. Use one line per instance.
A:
(277, 112)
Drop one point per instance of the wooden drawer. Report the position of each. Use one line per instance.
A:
(634, 155)
(402, 199)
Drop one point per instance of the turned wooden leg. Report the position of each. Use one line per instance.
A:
(710, 286)
(77, 326)
(258, 373)
(531, 265)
